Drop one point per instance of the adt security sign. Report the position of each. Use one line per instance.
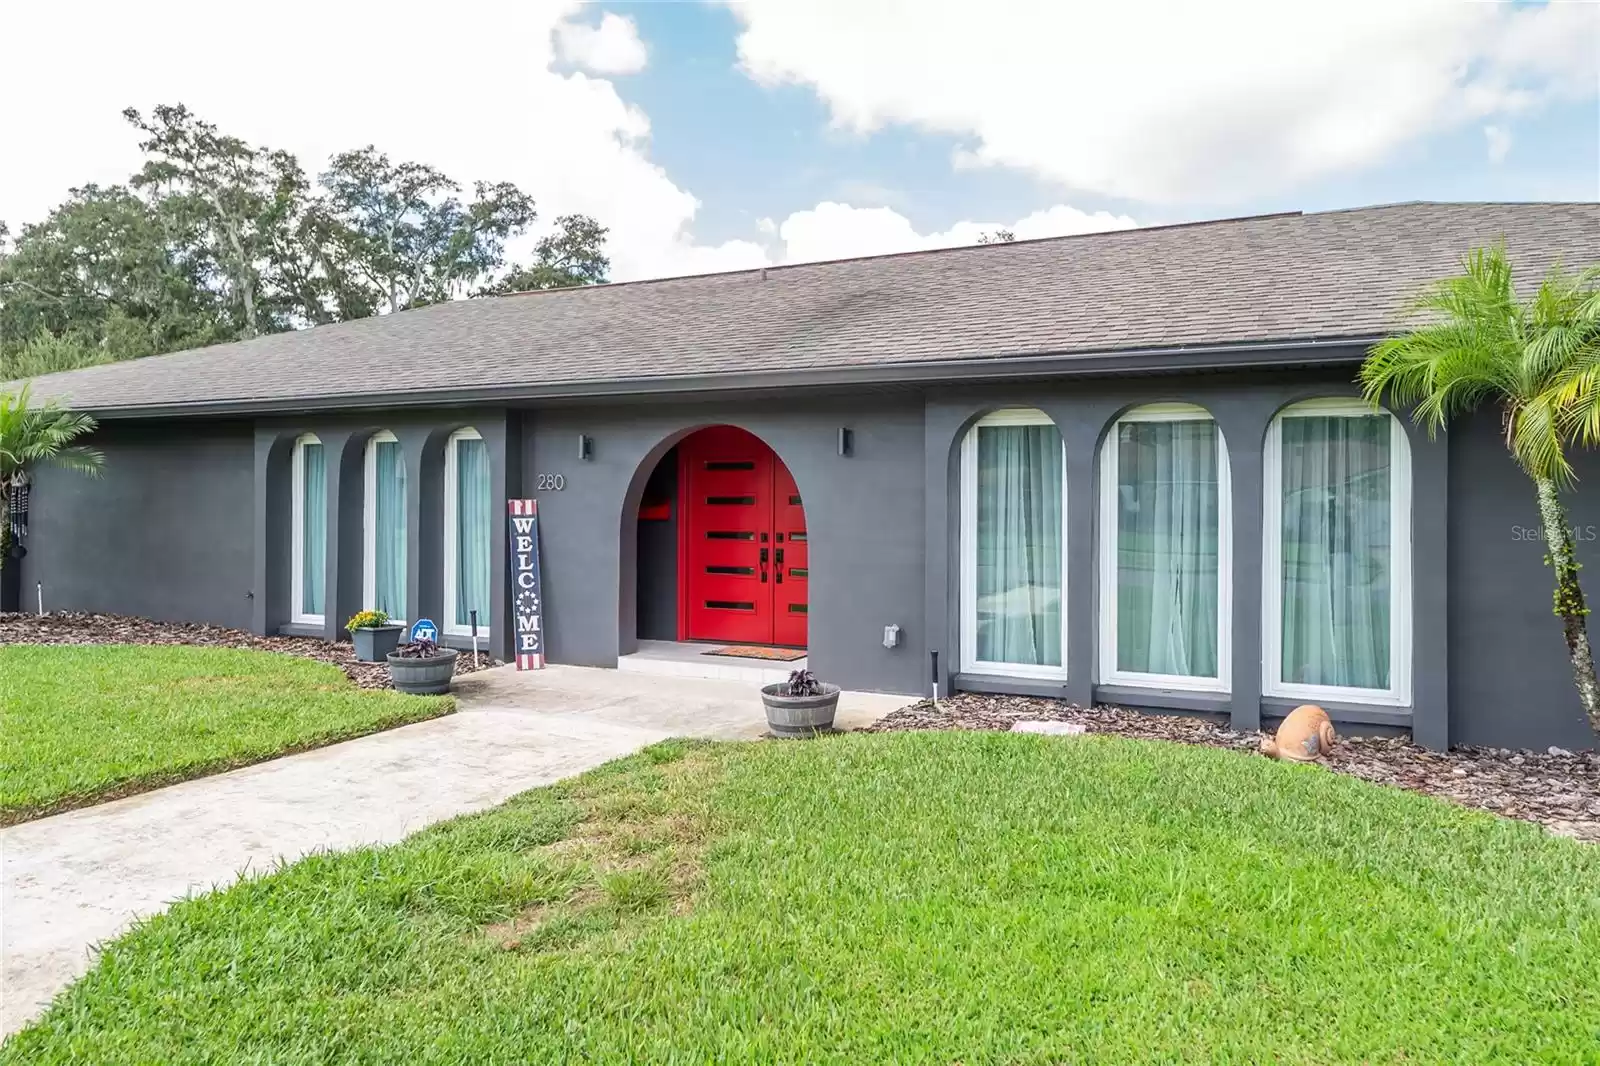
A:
(527, 599)
(424, 629)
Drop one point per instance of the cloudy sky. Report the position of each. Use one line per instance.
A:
(714, 136)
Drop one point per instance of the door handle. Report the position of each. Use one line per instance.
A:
(779, 555)
(763, 575)
(763, 557)
(777, 576)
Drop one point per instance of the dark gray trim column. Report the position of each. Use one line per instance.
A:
(262, 531)
(269, 606)
(1430, 606)
(1081, 422)
(1243, 421)
(503, 435)
(342, 560)
(942, 425)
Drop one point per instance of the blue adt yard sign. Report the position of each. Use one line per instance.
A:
(527, 599)
(424, 629)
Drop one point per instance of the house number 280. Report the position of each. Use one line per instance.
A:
(552, 482)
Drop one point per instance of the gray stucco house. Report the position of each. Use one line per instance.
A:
(1124, 467)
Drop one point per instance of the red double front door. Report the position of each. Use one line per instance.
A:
(744, 541)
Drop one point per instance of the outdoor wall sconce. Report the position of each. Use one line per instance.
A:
(847, 440)
(585, 446)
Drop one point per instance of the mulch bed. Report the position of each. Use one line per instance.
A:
(70, 627)
(1557, 789)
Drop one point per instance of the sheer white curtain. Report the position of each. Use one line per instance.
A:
(1336, 550)
(473, 515)
(389, 528)
(1018, 603)
(313, 527)
(1167, 547)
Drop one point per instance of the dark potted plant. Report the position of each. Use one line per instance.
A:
(373, 635)
(422, 668)
(801, 706)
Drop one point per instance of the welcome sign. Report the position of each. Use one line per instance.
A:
(527, 599)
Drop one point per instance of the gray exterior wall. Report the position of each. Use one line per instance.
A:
(1511, 685)
(864, 517)
(192, 523)
(165, 533)
(657, 566)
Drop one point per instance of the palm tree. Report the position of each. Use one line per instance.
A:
(32, 435)
(1538, 360)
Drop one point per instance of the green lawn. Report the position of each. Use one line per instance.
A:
(82, 723)
(936, 897)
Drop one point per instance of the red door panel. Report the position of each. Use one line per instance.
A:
(745, 548)
(790, 549)
(728, 515)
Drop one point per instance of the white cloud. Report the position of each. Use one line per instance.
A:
(1499, 142)
(1174, 101)
(839, 231)
(568, 139)
(613, 47)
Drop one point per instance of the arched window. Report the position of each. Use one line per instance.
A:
(384, 557)
(468, 513)
(1013, 547)
(310, 531)
(1337, 552)
(1165, 547)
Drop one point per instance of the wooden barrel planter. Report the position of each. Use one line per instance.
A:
(799, 716)
(423, 677)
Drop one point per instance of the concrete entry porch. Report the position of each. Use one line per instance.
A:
(679, 658)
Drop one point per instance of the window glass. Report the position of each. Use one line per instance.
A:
(313, 527)
(389, 529)
(1167, 561)
(1018, 544)
(473, 513)
(1336, 539)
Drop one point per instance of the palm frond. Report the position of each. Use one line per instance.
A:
(1466, 353)
(81, 458)
(1539, 358)
(1576, 394)
(30, 435)
(1567, 315)
(1535, 439)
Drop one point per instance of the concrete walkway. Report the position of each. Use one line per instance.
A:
(78, 878)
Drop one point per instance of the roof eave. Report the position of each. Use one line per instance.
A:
(1318, 351)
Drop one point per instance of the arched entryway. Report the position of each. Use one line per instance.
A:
(734, 519)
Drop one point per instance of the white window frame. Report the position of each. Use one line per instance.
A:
(1398, 694)
(1109, 673)
(968, 547)
(297, 512)
(451, 503)
(369, 565)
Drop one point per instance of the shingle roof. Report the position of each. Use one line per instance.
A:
(1337, 274)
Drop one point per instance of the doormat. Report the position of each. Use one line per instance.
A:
(750, 651)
